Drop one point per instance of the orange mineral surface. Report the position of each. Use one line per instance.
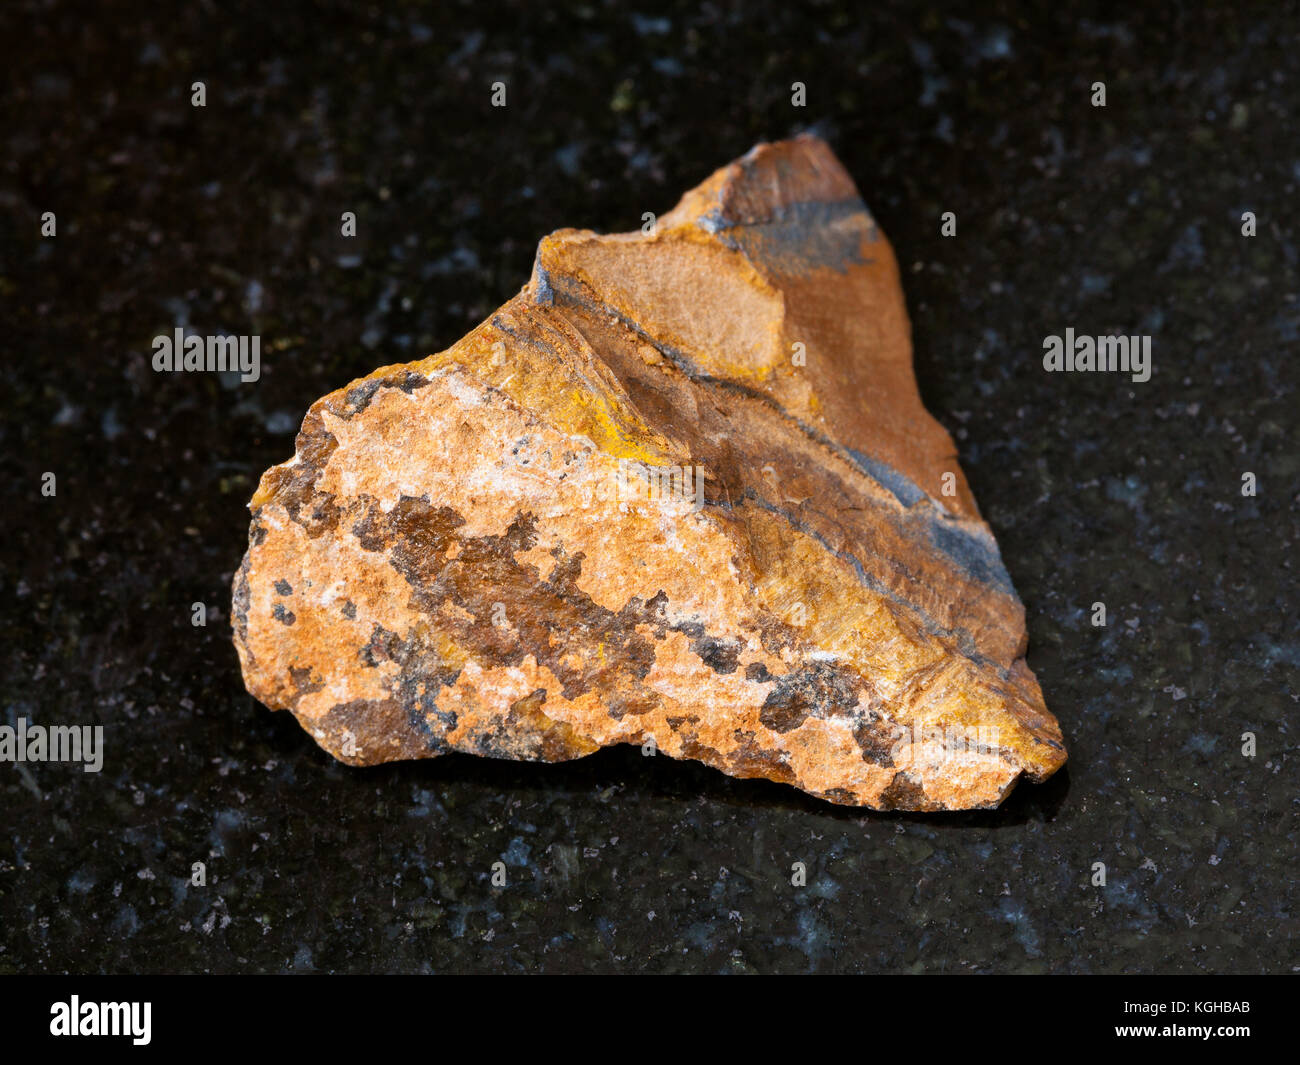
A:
(680, 491)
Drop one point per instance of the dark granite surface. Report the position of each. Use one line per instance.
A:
(1125, 219)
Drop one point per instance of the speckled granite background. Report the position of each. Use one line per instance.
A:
(1125, 219)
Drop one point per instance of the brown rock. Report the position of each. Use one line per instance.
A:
(681, 488)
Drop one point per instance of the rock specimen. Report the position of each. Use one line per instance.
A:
(680, 491)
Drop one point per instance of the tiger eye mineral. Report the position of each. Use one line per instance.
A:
(679, 492)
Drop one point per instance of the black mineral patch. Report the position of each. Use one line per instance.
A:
(359, 396)
(301, 676)
(383, 646)
(821, 689)
(905, 793)
(877, 738)
(720, 655)
(294, 486)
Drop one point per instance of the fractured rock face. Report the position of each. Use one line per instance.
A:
(681, 490)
